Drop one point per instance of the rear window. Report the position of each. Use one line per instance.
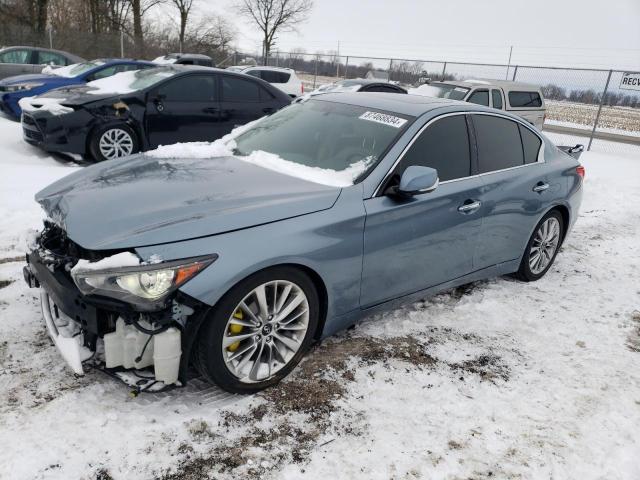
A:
(275, 77)
(530, 144)
(499, 144)
(525, 99)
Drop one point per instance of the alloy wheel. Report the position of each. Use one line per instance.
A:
(115, 143)
(545, 243)
(265, 330)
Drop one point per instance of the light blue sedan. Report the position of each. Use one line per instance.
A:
(331, 209)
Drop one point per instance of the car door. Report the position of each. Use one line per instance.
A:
(16, 61)
(242, 101)
(514, 187)
(183, 109)
(416, 243)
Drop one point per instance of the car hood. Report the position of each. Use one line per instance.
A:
(140, 200)
(34, 77)
(76, 95)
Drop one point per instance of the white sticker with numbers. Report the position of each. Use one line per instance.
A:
(383, 118)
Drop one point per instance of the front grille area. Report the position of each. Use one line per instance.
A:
(28, 119)
(33, 135)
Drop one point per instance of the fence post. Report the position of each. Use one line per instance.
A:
(235, 58)
(315, 74)
(444, 69)
(595, 123)
(346, 67)
(121, 44)
(390, 67)
(50, 38)
(515, 70)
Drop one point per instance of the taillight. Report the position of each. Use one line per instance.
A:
(580, 171)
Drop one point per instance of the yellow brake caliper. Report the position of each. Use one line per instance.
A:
(235, 329)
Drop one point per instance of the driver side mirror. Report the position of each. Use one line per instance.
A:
(416, 180)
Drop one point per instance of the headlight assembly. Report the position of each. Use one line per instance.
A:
(145, 286)
(19, 87)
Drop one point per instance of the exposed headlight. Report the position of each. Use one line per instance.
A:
(145, 286)
(19, 87)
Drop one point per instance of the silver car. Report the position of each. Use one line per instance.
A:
(24, 60)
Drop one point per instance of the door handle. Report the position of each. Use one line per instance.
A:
(540, 187)
(267, 110)
(469, 206)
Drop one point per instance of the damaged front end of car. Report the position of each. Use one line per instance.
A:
(109, 311)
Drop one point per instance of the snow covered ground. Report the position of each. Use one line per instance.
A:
(498, 379)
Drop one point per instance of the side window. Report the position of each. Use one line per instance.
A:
(50, 58)
(525, 99)
(444, 145)
(104, 73)
(499, 144)
(496, 97)
(275, 77)
(530, 144)
(381, 88)
(16, 56)
(194, 88)
(480, 97)
(239, 90)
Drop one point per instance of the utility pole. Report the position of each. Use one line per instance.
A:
(506, 75)
(338, 61)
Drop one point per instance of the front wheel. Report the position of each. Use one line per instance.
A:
(259, 331)
(112, 142)
(542, 248)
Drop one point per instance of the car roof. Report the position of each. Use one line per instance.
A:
(506, 84)
(121, 60)
(187, 56)
(413, 105)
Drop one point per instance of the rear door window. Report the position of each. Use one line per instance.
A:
(51, 58)
(479, 97)
(496, 97)
(531, 144)
(444, 145)
(239, 90)
(16, 56)
(499, 144)
(525, 99)
(193, 88)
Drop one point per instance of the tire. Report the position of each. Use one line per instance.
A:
(121, 138)
(531, 269)
(260, 357)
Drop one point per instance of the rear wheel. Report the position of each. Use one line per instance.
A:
(542, 248)
(259, 331)
(112, 142)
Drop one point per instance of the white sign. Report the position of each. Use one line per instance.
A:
(630, 81)
(383, 118)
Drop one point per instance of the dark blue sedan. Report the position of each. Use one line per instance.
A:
(12, 89)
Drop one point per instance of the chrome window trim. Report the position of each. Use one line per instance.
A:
(468, 112)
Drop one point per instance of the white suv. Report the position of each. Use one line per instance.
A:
(283, 78)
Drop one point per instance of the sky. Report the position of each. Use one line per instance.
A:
(583, 33)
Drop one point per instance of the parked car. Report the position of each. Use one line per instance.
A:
(360, 85)
(20, 60)
(518, 98)
(134, 111)
(283, 78)
(329, 210)
(185, 59)
(12, 89)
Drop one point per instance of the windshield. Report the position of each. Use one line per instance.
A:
(442, 90)
(346, 140)
(127, 82)
(75, 69)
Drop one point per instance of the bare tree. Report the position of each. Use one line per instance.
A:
(274, 16)
(138, 9)
(184, 7)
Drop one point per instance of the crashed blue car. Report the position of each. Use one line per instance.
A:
(231, 258)
(12, 89)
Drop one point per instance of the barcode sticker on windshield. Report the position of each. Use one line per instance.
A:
(383, 118)
(460, 89)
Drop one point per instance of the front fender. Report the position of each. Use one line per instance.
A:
(328, 242)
